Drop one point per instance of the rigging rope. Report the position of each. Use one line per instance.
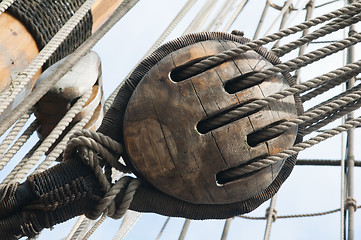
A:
(330, 132)
(351, 9)
(8, 95)
(80, 225)
(59, 148)
(18, 144)
(343, 73)
(14, 132)
(5, 4)
(300, 215)
(48, 142)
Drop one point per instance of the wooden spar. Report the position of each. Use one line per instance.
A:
(102, 10)
(18, 48)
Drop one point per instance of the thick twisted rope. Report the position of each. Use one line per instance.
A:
(344, 73)
(207, 63)
(12, 175)
(301, 146)
(18, 144)
(97, 150)
(8, 95)
(5, 4)
(79, 228)
(344, 100)
(323, 88)
(53, 136)
(311, 126)
(339, 23)
(303, 60)
(323, 109)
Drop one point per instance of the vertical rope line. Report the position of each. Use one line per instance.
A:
(184, 229)
(270, 217)
(350, 161)
(5, 4)
(284, 9)
(343, 156)
(163, 228)
(226, 227)
(342, 207)
(260, 23)
(283, 20)
(220, 16)
(309, 10)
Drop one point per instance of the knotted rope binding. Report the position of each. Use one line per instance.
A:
(97, 151)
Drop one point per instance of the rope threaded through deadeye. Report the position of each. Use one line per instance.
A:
(101, 153)
(206, 63)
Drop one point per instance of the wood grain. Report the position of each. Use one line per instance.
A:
(160, 127)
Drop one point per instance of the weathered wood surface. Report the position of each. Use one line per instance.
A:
(160, 127)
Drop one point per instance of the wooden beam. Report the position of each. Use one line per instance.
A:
(102, 10)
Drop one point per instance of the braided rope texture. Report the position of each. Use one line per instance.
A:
(29, 163)
(349, 10)
(341, 75)
(44, 19)
(7, 96)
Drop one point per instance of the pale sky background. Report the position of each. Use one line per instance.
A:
(308, 189)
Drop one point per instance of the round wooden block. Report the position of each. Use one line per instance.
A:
(166, 145)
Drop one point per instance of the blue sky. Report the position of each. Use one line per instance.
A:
(309, 189)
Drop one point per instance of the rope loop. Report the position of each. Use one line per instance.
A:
(351, 202)
(274, 214)
(101, 153)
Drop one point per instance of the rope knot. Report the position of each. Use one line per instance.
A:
(351, 202)
(274, 214)
(102, 154)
